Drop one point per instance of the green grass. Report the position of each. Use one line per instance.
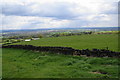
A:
(79, 42)
(0, 63)
(18, 63)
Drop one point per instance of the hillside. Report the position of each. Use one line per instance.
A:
(18, 63)
(100, 41)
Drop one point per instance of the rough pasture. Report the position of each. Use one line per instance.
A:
(19, 63)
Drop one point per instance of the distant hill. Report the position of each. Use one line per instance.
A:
(100, 28)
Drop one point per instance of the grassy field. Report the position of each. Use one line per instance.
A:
(28, 64)
(79, 42)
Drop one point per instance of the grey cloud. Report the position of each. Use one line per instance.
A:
(114, 10)
(55, 10)
(16, 9)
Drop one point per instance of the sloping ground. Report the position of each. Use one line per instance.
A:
(99, 41)
(18, 63)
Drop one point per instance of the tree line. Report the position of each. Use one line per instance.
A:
(69, 34)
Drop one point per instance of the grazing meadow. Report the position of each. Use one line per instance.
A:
(99, 41)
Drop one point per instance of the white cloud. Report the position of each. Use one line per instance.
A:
(98, 17)
(25, 22)
(33, 14)
(104, 21)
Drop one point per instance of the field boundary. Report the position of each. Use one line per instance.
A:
(67, 50)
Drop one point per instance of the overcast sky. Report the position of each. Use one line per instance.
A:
(37, 14)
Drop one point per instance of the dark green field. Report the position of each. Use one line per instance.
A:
(79, 42)
(28, 64)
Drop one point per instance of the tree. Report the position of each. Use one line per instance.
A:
(40, 35)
